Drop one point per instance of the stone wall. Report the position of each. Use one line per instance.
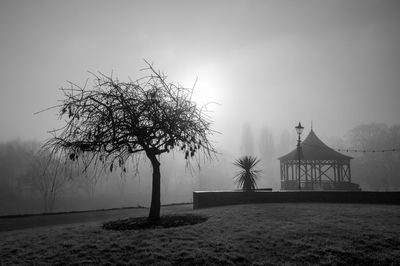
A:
(204, 199)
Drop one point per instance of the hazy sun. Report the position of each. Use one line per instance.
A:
(208, 86)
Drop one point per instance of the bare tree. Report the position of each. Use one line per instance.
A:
(267, 146)
(375, 170)
(113, 121)
(15, 159)
(247, 145)
(268, 156)
(47, 176)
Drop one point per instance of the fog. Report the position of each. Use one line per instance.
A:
(266, 64)
(20, 193)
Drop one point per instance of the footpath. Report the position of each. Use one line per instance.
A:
(32, 221)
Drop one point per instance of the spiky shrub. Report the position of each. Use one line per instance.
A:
(246, 178)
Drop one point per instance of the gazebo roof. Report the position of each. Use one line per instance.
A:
(312, 148)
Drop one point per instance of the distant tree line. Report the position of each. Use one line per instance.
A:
(375, 170)
(26, 178)
(27, 174)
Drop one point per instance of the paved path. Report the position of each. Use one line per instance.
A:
(25, 222)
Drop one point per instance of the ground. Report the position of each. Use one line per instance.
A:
(259, 234)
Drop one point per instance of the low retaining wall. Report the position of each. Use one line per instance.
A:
(205, 199)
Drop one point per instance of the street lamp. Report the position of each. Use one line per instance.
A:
(299, 130)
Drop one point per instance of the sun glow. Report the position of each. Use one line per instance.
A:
(207, 83)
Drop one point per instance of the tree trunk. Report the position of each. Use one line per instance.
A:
(154, 214)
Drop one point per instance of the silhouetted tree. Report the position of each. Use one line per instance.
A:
(247, 145)
(286, 143)
(375, 170)
(246, 178)
(14, 157)
(113, 121)
(267, 151)
(48, 176)
(267, 146)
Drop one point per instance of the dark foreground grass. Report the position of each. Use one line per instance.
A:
(166, 221)
(244, 234)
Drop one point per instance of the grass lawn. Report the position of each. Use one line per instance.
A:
(302, 233)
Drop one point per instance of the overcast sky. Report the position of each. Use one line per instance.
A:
(268, 63)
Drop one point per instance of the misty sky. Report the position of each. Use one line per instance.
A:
(268, 63)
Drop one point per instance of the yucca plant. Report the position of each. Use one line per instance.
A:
(246, 178)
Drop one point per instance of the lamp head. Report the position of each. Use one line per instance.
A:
(299, 129)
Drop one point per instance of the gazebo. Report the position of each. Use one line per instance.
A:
(315, 166)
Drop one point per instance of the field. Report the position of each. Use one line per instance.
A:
(257, 234)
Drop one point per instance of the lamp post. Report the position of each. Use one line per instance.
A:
(299, 130)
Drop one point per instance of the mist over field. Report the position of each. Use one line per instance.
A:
(263, 65)
(23, 190)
